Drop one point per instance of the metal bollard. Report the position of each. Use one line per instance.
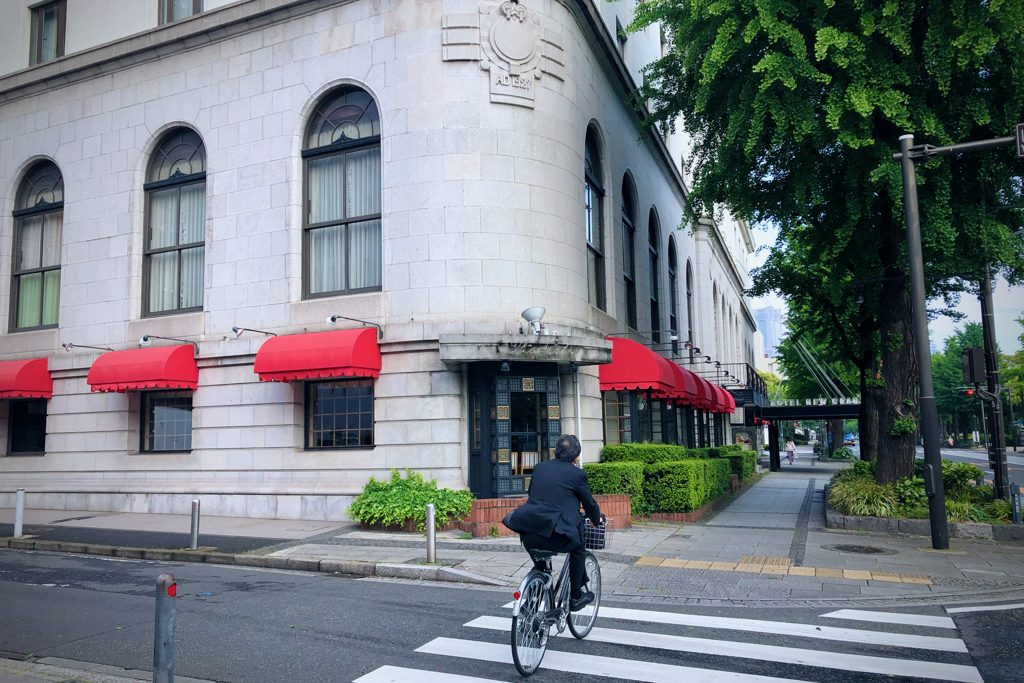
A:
(19, 512)
(1015, 502)
(431, 535)
(195, 525)
(163, 631)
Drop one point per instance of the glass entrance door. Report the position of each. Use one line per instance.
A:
(527, 424)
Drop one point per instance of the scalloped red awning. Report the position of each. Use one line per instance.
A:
(730, 402)
(705, 394)
(634, 366)
(25, 379)
(341, 353)
(723, 399)
(685, 390)
(163, 367)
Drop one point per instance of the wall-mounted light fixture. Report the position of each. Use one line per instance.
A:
(505, 367)
(68, 346)
(146, 341)
(333, 320)
(239, 330)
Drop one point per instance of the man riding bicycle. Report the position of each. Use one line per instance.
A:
(551, 520)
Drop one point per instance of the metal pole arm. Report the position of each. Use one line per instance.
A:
(925, 152)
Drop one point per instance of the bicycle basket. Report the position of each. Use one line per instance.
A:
(595, 538)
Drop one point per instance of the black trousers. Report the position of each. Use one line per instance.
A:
(560, 543)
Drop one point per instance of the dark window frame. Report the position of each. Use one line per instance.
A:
(36, 42)
(653, 243)
(689, 308)
(166, 7)
(307, 414)
(673, 297)
(144, 406)
(148, 252)
(40, 208)
(10, 428)
(593, 207)
(629, 253)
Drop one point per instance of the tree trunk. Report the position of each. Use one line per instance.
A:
(898, 409)
(870, 394)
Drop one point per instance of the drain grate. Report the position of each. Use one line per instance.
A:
(861, 549)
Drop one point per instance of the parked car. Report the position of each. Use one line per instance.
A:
(850, 440)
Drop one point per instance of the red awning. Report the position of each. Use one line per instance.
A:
(705, 395)
(634, 366)
(685, 390)
(342, 353)
(25, 379)
(163, 367)
(723, 399)
(730, 405)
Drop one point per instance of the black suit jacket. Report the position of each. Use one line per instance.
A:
(557, 489)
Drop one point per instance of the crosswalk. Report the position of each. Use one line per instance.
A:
(658, 646)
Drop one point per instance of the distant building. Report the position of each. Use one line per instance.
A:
(769, 322)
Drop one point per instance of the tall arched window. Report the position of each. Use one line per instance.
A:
(628, 251)
(689, 308)
(653, 237)
(593, 200)
(342, 225)
(714, 312)
(673, 297)
(175, 235)
(38, 227)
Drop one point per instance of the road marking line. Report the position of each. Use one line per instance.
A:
(592, 665)
(768, 653)
(984, 608)
(398, 674)
(785, 628)
(892, 618)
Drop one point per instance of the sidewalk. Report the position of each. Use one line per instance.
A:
(54, 670)
(768, 543)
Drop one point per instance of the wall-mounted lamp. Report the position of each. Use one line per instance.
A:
(68, 346)
(239, 330)
(707, 359)
(695, 349)
(333, 320)
(145, 341)
(505, 367)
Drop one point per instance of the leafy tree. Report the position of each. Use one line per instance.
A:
(957, 411)
(775, 385)
(1011, 375)
(795, 107)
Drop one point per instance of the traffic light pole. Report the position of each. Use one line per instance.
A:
(997, 452)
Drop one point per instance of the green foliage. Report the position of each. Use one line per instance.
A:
(842, 453)
(957, 476)
(717, 473)
(675, 486)
(776, 386)
(647, 453)
(619, 478)
(998, 510)
(393, 502)
(744, 464)
(911, 493)
(865, 468)
(862, 497)
(903, 425)
(964, 511)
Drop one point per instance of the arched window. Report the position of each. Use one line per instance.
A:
(38, 227)
(593, 200)
(689, 308)
(342, 225)
(673, 297)
(628, 251)
(716, 328)
(175, 234)
(653, 237)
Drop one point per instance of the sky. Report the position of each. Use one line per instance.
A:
(1008, 303)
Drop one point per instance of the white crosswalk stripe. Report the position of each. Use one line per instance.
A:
(890, 653)
(768, 653)
(892, 618)
(984, 608)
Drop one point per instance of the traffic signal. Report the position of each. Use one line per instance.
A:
(973, 362)
(965, 392)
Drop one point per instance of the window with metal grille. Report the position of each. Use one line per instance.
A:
(166, 421)
(339, 414)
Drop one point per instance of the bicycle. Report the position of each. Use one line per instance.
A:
(541, 602)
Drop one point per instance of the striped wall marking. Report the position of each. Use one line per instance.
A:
(769, 653)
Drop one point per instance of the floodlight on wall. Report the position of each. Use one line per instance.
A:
(68, 346)
(707, 359)
(333, 320)
(147, 340)
(505, 367)
(695, 349)
(533, 316)
(239, 330)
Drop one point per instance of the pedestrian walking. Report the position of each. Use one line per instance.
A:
(790, 450)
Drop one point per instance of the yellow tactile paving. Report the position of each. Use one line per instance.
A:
(754, 564)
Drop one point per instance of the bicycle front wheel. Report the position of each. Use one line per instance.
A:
(580, 623)
(529, 634)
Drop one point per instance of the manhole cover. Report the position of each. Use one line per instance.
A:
(861, 549)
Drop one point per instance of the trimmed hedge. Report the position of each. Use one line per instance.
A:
(645, 452)
(717, 473)
(675, 486)
(618, 477)
(744, 464)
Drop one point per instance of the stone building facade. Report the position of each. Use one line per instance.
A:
(425, 169)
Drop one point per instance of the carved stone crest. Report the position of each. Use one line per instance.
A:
(510, 44)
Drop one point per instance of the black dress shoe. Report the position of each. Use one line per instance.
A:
(576, 604)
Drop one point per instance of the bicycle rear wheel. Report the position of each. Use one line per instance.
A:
(529, 635)
(580, 623)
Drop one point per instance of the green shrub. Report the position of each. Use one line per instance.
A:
(998, 510)
(724, 451)
(981, 494)
(743, 464)
(393, 502)
(957, 476)
(960, 511)
(609, 478)
(865, 468)
(675, 486)
(917, 513)
(717, 473)
(645, 452)
(862, 497)
(842, 453)
(911, 493)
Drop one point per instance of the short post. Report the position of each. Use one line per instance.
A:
(163, 632)
(1015, 502)
(19, 512)
(195, 525)
(431, 535)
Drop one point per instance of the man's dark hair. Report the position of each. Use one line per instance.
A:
(567, 448)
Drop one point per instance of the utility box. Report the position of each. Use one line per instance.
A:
(973, 359)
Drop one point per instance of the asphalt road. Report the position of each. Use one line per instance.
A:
(242, 624)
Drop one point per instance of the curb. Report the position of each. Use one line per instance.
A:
(354, 567)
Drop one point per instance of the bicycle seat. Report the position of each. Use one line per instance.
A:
(542, 554)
